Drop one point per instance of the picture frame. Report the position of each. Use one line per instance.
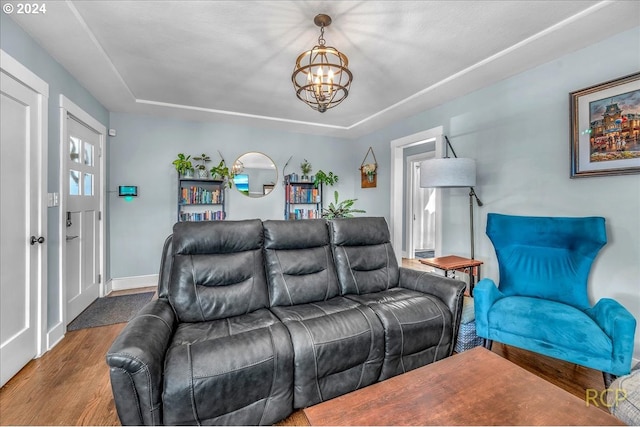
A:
(605, 128)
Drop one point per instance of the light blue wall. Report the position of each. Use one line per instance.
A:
(24, 49)
(518, 131)
(142, 152)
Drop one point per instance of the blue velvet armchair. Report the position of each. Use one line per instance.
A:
(541, 304)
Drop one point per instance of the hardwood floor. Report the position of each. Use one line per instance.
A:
(69, 385)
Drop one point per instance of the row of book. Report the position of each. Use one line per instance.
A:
(202, 216)
(304, 214)
(199, 196)
(303, 195)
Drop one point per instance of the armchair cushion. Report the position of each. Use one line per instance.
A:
(551, 328)
(546, 257)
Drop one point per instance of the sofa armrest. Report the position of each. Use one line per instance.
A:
(485, 294)
(136, 361)
(450, 291)
(620, 326)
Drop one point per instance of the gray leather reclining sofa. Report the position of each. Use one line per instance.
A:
(256, 319)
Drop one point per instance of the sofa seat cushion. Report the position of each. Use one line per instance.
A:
(338, 346)
(417, 328)
(567, 328)
(236, 370)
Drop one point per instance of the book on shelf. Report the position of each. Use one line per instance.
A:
(202, 216)
(303, 195)
(199, 196)
(305, 214)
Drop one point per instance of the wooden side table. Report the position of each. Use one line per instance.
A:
(453, 263)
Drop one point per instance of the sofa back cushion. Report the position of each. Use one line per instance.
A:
(217, 270)
(299, 263)
(364, 257)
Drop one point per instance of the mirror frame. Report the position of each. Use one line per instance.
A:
(267, 188)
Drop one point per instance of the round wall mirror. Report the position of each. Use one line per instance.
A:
(255, 174)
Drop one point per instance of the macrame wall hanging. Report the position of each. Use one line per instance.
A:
(369, 171)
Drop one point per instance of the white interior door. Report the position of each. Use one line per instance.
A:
(421, 209)
(21, 217)
(424, 215)
(82, 192)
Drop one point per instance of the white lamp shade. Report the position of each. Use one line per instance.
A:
(448, 172)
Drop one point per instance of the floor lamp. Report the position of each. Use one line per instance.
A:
(453, 172)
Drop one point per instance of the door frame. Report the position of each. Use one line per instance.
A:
(69, 108)
(410, 250)
(397, 147)
(25, 76)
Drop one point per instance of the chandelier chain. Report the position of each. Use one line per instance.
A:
(321, 40)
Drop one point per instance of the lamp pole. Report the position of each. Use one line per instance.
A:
(472, 195)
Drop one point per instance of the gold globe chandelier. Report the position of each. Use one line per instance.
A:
(321, 76)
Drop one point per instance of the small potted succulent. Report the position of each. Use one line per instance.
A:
(202, 167)
(183, 165)
(306, 168)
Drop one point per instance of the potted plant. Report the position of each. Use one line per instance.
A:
(325, 178)
(306, 168)
(183, 165)
(341, 209)
(202, 168)
(222, 172)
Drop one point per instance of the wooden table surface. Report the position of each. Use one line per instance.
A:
(476, 387)
(450, 262)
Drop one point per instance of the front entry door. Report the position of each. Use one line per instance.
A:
(21, 217)
(82, 182)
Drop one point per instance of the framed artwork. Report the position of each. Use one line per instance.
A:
(605, 128)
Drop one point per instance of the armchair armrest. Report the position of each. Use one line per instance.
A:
(450, 291)
(485, 294)
(136, 361)
(620, 326)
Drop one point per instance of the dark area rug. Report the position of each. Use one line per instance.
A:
(110, 310)
(424, 254)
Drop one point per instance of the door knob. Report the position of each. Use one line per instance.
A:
(35, 240)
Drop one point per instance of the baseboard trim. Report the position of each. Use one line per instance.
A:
(133, 282)
(55, 335)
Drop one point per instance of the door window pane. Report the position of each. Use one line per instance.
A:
(88, 154)
(88, 184)
(74, 149)
(74, 183)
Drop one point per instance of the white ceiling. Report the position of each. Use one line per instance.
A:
(232, 60)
